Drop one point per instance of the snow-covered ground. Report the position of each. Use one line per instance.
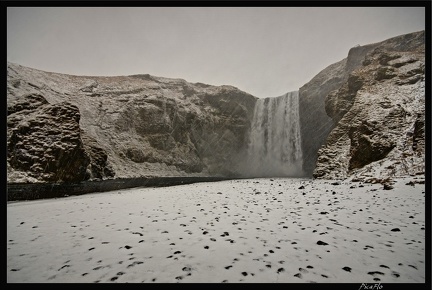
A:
(255, 230)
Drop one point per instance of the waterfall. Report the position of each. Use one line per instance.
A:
(274, 147)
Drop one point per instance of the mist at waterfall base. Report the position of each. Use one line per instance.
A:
(274, 148)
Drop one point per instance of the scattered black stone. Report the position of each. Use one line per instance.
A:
(205, 233)
(323, 212)
(128, 247)
(412, 266)
(325, 276)
(179, 277)
(206, 247)
(14, 270)
(384, 266)
(387, 186)
(177, 252)
(348, 269)
(298, 275)
(219, 192)
(244, 273)
(187, 269)
(309, 267)
(134, 263)
(268, 266)
(114, 278)
(301, 187)
(395, 274)
(280, 270)
(395, 230)
(375, 273)
(321, 243)
(227, 267)
(91, 249)
(336, 183)
(64, 266)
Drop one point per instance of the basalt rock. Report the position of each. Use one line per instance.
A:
(44, 140)
(316, 100)
(129, 126)
(379, 115)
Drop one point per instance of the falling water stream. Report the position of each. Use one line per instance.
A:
(275, 141)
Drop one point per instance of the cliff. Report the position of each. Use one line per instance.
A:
(379, 115)
(315, 123)
(360, 118)
(71, 128)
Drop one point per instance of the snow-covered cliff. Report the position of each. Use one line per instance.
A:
(379, 115)
(129, 126)
(360, 118)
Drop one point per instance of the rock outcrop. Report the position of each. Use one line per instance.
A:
(44, 140)
(379, 113)
(128, 126)
(315, 123)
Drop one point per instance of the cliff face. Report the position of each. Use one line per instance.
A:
(362, 118)
(126, 126)
(315, 123)
(379, 112)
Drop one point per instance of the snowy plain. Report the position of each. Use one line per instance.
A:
(252, 230)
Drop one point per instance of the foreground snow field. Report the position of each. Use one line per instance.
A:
(254, 230)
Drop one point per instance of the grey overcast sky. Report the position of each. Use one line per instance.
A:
(264, 51)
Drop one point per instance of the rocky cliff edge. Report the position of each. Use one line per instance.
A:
(73, 128)
(379, 116)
